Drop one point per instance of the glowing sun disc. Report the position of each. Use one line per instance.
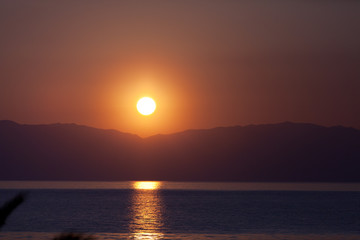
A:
(146, 106)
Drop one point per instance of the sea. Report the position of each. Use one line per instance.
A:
(183, 210)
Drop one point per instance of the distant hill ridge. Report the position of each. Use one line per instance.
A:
(269, 152)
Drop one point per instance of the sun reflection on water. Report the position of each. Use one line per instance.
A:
(146, 211)
(146, 185)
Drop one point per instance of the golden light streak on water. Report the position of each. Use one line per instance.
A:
(146, 211)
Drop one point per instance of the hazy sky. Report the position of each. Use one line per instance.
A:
(206, 63)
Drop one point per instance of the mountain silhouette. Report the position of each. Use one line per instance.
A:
(270, 152)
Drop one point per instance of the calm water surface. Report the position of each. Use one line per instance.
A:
(176, 210)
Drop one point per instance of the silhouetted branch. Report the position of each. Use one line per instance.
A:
(9, 207)
(74, 236)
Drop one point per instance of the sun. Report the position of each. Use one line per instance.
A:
(146, 106)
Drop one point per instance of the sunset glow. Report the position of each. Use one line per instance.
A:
(180, 120)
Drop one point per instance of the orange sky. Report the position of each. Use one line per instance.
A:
(206, 63)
